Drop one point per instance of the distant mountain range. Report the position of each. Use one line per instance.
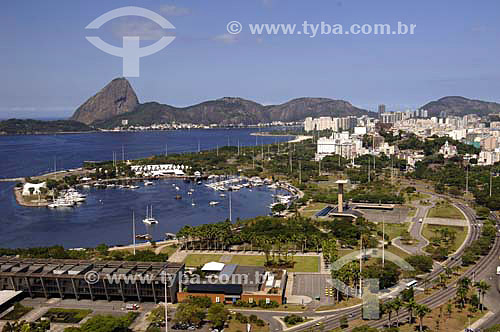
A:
(460, 106)
(117, 101)
(29, 127)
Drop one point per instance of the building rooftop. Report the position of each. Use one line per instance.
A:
(213, 266)
(77, 268)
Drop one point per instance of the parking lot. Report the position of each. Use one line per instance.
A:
(314, 285)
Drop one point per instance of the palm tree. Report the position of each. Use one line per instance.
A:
(422, 310)
(482, 288)
(387, 307)
(397, 304)
(462, 295)
(411, 305)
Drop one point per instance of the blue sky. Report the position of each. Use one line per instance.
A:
(49, 68)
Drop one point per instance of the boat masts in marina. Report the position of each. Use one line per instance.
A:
(149, 220)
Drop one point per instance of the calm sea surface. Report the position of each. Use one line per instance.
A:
(106, 216)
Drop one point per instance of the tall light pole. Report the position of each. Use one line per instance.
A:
(491, 181)
(383, 239)
(368, 169)
(300, 172)
(166, 313)
(230, 207)
(361, 266)
(467, 179)
(133, 229)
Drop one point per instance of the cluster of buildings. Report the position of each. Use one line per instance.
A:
(348, 132)
(350, 145)
(392, 117)
(160, 170)
(126, 126)
(139, 281)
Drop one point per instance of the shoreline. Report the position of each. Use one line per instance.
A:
(104, 130)
(297, 138)
(22, 202)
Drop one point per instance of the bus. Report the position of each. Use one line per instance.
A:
(411, 284)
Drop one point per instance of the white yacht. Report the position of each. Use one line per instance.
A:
(148, 183)
(213, 203)
(149, 220)
(61, 202)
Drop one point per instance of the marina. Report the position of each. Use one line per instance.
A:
(104, 216)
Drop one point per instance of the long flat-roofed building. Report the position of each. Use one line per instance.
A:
(82, 279)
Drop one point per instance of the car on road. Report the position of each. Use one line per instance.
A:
(132, 306)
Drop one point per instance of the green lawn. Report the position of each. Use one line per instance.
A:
(418, 196)
(302, 263)
(393, 230)
(398, 252)
(429, 231)
(445, 210)
(201, 259)
(248, 260)
(312, 209)
(169, 250)
(18, 312)
(412, 211)
(306, 264)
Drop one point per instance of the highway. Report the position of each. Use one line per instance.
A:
(438, 298)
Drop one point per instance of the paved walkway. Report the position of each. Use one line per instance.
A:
(34, 314)
(416, 230)
(178, 256)
(446, 222)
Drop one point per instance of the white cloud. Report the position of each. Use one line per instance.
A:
(226, 38)
(132, 26)
(172, 10)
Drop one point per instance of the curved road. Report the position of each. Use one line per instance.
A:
(331, 320)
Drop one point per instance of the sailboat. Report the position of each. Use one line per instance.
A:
(192, 202)
(149, 217)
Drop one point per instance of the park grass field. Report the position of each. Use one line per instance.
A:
(312, 209)
(393, 230)
(169, 250)
(430, 231)
(445, 210)
(302, 263)
(398, 252)
(194, 260)
(439, 320)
